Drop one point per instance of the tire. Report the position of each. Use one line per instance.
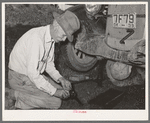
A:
(134, 79)
(78, 60)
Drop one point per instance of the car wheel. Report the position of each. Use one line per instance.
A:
(78, 60)
(131, 78)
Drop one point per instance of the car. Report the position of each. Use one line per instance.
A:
(114, 33)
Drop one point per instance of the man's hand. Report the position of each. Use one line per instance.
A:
(65, 84)
(63, 94)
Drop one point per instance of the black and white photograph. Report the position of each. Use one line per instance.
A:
(74, 61)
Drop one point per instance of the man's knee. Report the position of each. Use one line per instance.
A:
(37, 102)
(49, 103)
(59, 102)
(55, 103)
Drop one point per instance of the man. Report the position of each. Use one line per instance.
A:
(31, 56)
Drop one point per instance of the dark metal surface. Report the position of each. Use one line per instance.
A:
(96, 45)
(93, 40)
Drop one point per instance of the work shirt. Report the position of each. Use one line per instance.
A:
(28, 53)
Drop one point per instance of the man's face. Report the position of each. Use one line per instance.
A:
(60, 36)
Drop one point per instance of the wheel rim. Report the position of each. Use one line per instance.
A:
(77, 60)
(81, 57)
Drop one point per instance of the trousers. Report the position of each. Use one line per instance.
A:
(28, 96)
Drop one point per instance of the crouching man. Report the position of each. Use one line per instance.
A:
(31, 56)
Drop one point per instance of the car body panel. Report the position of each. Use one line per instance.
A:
(108, 45)
(116, 34)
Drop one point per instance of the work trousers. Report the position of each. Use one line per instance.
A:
(28, 96)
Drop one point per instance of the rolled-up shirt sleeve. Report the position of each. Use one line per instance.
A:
(33, 58)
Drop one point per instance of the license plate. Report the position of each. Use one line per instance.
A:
(124, 20)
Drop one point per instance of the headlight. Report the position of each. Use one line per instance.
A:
(92, 9)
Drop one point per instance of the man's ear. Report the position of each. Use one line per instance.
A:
(52, 33)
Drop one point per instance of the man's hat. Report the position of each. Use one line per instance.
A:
(69, 23)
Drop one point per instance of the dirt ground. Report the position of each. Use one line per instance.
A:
(38, 15)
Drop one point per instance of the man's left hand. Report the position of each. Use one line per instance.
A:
(65, 84)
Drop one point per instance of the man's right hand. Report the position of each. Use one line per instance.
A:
(63, 94)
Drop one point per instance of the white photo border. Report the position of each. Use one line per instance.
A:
(69, 115)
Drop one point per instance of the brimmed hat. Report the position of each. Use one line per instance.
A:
(69, 23)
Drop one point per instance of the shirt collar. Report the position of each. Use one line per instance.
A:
(48, 37)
